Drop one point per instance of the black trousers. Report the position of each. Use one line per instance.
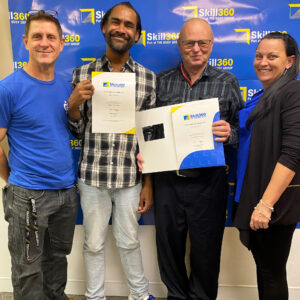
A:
(270, 249)
(196, 206)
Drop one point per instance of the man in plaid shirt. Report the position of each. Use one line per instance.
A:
(109, 180)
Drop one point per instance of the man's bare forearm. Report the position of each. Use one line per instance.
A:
(4, 168)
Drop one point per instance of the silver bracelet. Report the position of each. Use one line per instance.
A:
(266, 205)
(261, 213)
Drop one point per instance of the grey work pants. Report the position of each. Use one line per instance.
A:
(40, 234)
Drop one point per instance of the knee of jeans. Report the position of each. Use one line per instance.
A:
(126, 237)
(61, 249)
(93, 247)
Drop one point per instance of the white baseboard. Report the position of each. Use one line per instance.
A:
(114, 288)
(5, 285)
(226, 292)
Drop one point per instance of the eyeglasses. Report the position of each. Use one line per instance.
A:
(189, 44)
(50, 12)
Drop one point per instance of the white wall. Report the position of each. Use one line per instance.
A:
(237, 278)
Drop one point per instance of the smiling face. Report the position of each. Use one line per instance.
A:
(120, 31)
(195, 30)
(271, 61)
(43, 43)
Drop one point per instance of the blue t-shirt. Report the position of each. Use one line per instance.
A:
(34, 113)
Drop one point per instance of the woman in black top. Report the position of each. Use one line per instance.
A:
(268, 185)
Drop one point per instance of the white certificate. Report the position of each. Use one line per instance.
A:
(113, 102)
(179, 136)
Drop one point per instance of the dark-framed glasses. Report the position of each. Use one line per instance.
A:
(189, 44)
(50, 12)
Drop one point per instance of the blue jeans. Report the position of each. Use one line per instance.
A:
(97, 206)
(40, 234)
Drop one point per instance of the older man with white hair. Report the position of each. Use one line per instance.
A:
(194, 201)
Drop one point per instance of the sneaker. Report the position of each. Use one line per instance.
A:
(147, 297)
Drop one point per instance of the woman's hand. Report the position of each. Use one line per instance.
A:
(261, 217)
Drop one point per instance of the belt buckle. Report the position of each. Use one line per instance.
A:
(178, 174)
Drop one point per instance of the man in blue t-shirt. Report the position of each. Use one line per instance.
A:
(40, 199)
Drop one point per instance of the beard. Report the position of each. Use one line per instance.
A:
(120, 48)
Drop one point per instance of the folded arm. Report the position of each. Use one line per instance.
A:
(281, 178)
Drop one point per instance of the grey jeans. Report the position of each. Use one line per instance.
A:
(40, 234)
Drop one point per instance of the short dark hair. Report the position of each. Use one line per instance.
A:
(270, 94)
(42, 15)
(129, 5)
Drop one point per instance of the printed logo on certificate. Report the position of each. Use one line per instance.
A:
(113, 102)
(179, 136)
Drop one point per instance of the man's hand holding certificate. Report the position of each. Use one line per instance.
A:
(180, 136)
(113, 109)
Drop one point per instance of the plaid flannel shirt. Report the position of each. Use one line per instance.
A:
(172, 87)
(108, 160)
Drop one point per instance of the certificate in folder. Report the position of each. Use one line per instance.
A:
(179, 136)
(113, 102)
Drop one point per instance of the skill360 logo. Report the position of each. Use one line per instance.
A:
(209, 13)
(245, 35)
(158, 38)
(90, 15)
(294, 11)
(247, 93)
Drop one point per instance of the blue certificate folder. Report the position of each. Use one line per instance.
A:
(179, 136)
(205, 158)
